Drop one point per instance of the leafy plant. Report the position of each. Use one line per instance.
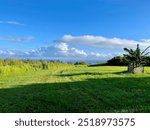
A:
(136, 58)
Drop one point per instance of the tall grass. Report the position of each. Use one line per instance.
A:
(17, 67)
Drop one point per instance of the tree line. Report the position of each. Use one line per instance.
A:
(123, 61)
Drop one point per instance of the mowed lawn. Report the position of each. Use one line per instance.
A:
(76, 89)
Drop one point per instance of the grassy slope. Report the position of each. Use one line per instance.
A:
(76, 89)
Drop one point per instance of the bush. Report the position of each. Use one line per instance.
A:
(81, 63)
(118, 61)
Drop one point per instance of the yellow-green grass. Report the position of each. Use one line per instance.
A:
(68, 88)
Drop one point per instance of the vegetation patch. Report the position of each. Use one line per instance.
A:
(66, 88)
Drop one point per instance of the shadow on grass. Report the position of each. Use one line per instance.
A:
(91, 95)
(93, 73)
(100, 64)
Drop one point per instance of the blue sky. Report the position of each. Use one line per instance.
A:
(65, 29)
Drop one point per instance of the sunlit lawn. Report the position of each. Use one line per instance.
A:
(76, 89)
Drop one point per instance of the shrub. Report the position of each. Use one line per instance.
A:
(118, 61)
(81, 63)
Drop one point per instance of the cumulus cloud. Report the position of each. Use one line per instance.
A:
(58, 51)
(16, 40)
(63, 49)
(11, 22)
(104, 42)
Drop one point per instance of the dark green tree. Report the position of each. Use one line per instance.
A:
(136, 58)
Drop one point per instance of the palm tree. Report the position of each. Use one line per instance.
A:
(136, 58)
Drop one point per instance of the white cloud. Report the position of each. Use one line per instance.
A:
(104, 42)
(77, 52)
(62, 50)
(59, 51)
(101, 55)
(145, 40)
(16, 40)
(11, 22)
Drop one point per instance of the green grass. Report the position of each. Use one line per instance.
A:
(75, 89)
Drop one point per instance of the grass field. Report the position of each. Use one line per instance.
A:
(76, 89)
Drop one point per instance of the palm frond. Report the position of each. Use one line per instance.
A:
(145, 50)
(146, 54)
